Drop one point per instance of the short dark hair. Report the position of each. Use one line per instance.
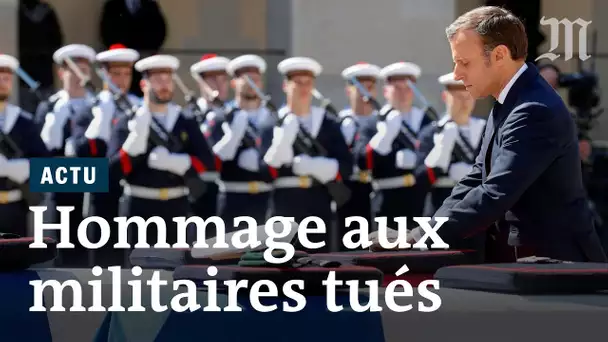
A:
(496, 26)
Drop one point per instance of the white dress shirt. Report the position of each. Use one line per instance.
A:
(505, 90)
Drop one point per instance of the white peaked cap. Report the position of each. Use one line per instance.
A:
(7, 61)
(401, 69)
(118, 53)
(300, 64)
(361, 69)
(157, 62)
(448, 79)
(261, 234)
(246, 61)
(208, 63)
(74, 51)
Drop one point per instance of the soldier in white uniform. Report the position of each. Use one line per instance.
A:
(212, 69)
(459, 107)
(301, 177)
(58, 118)
(92, 134)
(155, 176)
(400, 181)
(245, 184)
(360, 114)
(18, 126)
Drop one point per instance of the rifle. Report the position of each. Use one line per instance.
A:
(306, 144)
(158, 136)
(85, 81)
(191, 98)
(406, 136)
(467, 156)
(213, 95)
(10, 149)
(325, 103)
(33, 85)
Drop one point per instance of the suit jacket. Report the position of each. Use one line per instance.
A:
(529, 180)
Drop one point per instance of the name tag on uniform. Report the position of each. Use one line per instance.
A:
(69, 175)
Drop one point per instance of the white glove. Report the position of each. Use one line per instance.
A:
(179, 163)
(226, 148)
(277, 156)
(3, 166)
(287, 133)
(459, 170)
(137, 141)
(281, 150)
(249, 160)
(302, 165)
(158, 159)
(18, 170)
(388, 130)
(441, 154)
(161, 159)
(405, 159)
(52, 131)
(324, 169)
(101, 125)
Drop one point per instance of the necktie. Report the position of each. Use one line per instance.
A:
(513, 235)
(488, 158)
(494, 230)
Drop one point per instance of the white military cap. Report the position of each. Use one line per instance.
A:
(74, 51)
(361, 69)
(208, 63)
(299, 64)
(401, 69)
(246, 61)
(118, 53)
(10, 62)
(157, 62)
(448, 79)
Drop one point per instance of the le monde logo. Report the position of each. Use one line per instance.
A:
(568, 26)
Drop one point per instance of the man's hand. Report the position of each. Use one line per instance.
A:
(281, 150)
(101, 125)
(414, 235)
(234, 132)
(387, 132)
(137, 140)
(52, 131)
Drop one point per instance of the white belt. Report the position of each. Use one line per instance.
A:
(209, 176)
(405, 181)
(10, 196)
(302, 182)
(444, 182)
(163, 194)
(361, 177)
(253, 187)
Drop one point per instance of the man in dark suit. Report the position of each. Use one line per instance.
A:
(527, 178)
